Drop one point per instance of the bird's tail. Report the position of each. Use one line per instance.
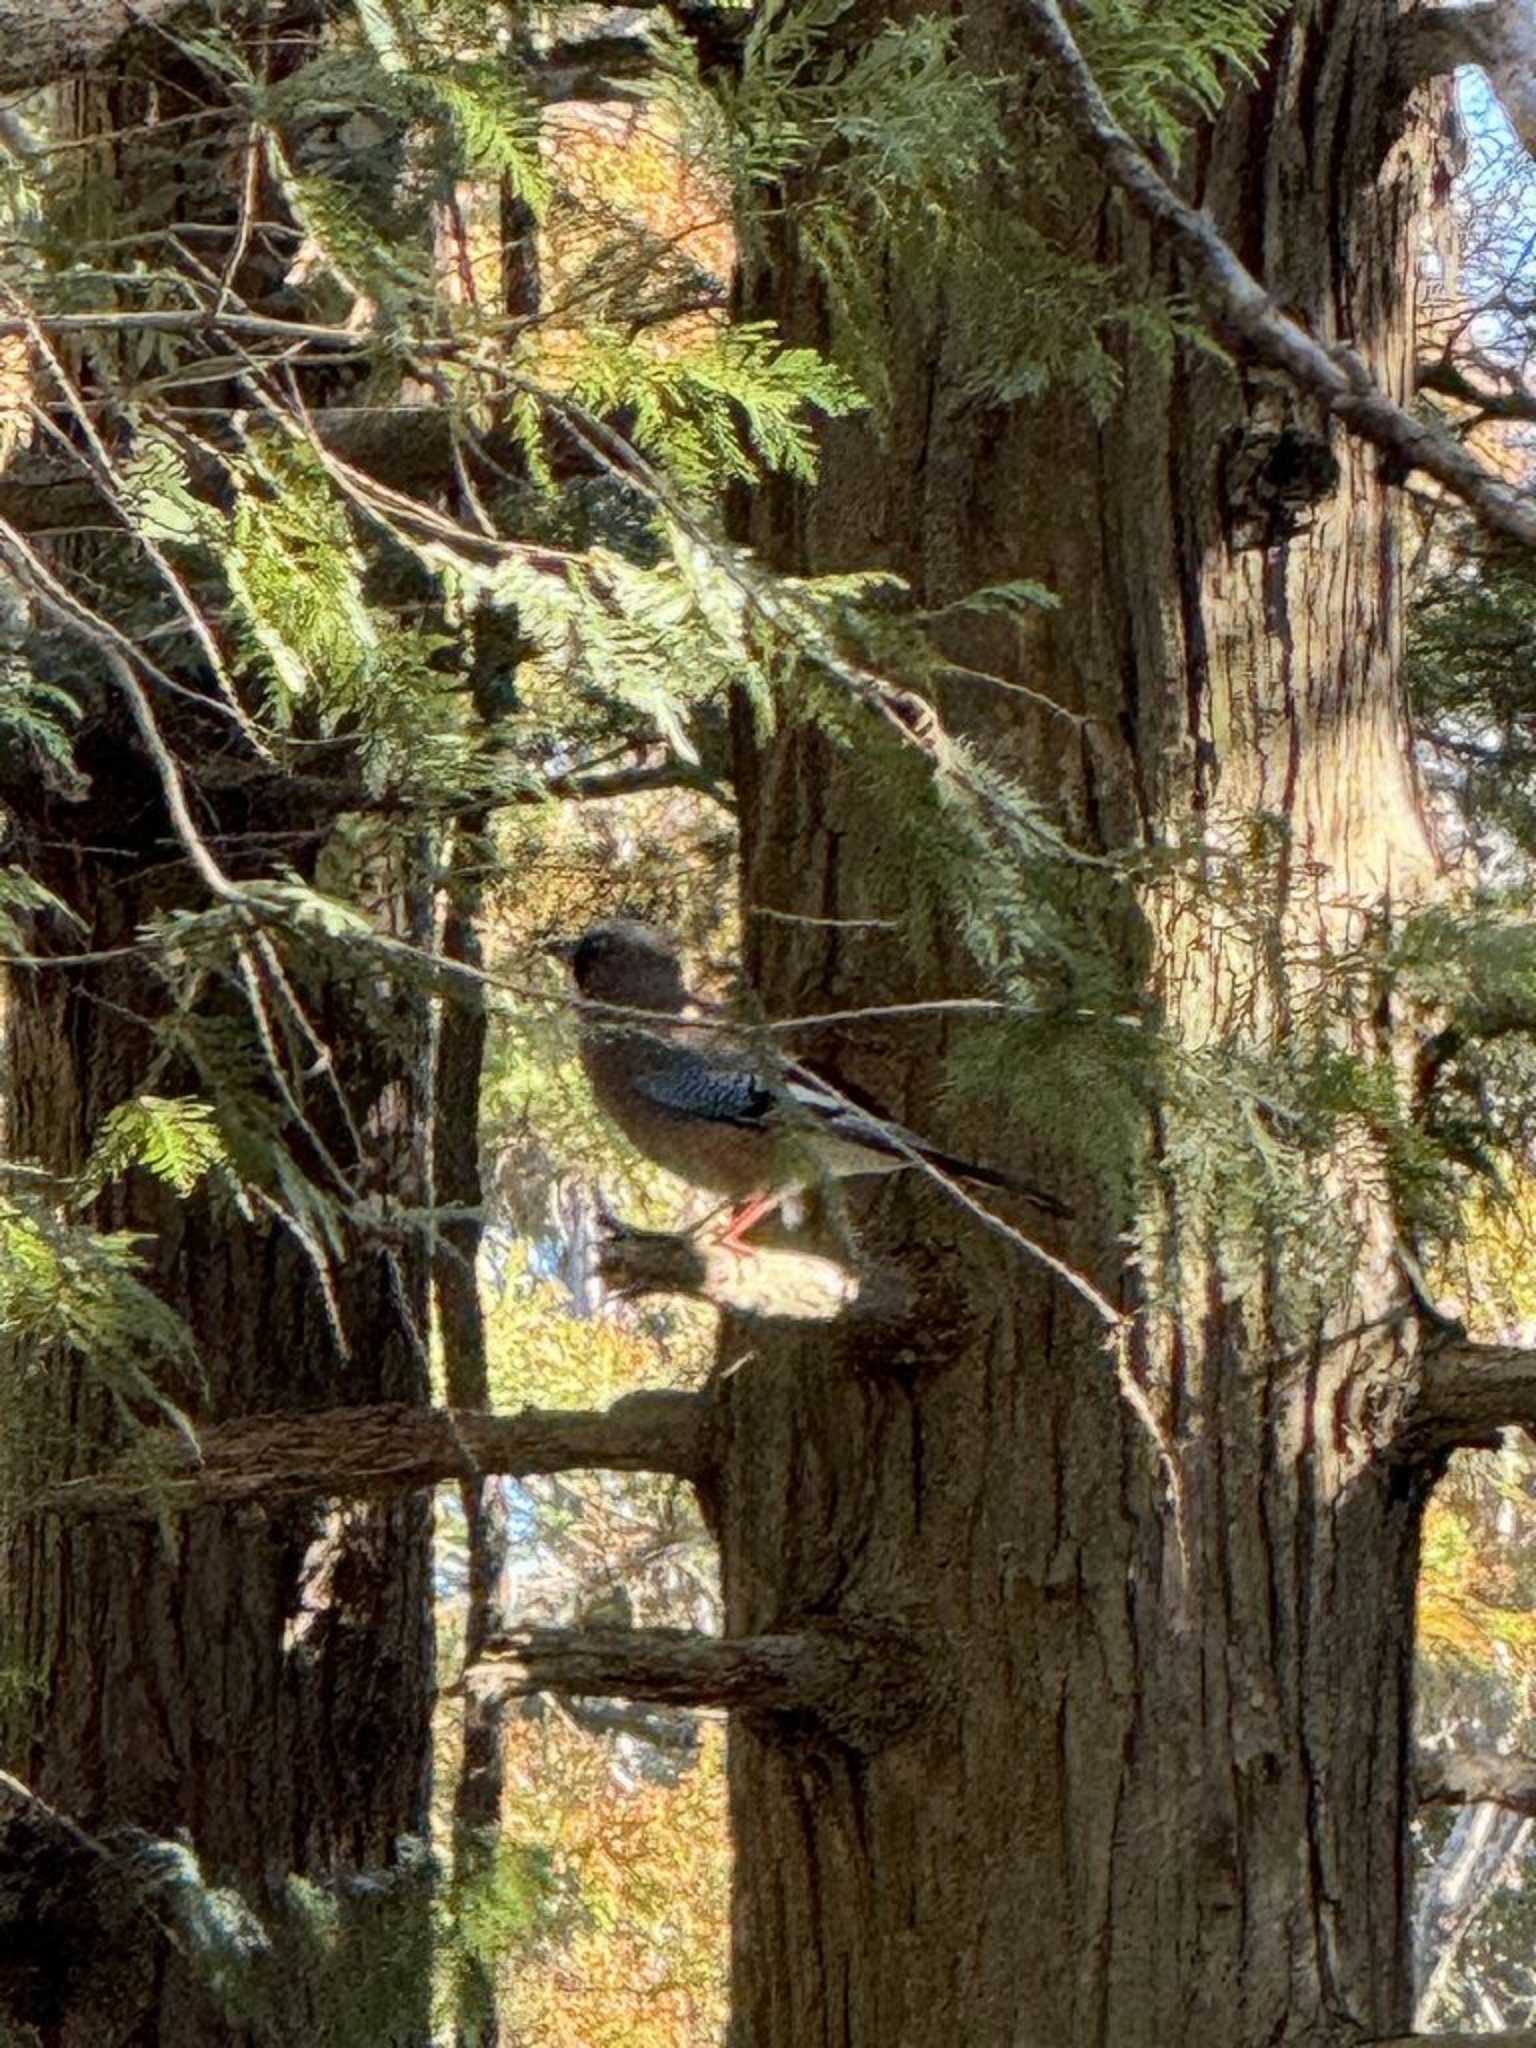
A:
(990, 1177)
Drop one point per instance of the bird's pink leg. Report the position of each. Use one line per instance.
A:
(745, 1214)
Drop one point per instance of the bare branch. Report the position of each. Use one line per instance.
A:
(392, 1449)
(1468, 1391)
(1245, 314)
(1469, 1777)
(865, 1684)
(201, 322)
(591, 784)
(771, 1282)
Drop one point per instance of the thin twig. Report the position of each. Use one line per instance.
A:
(119, 497)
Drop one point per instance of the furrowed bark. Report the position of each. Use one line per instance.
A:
(1171, 1802)
(266, 1704)
(376, 1452)
(460, 1063)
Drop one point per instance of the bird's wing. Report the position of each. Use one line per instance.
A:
(716, 1091)
(719, 1090)
(823, 1111)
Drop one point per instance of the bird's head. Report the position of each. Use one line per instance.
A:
(626, 962)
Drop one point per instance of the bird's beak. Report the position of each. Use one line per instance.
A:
(560, 949)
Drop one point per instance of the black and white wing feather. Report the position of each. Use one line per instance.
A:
(714, 1090)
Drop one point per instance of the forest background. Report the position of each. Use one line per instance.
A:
(387, 410)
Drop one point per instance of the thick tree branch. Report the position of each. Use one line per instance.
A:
(1466, 1777)
(1468, 1391)
(393, 1449)
(770, 1282)
(863, 1684)
(1244, 313)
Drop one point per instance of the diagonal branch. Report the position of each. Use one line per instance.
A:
(1245, 314)
(863, 1683)
(392, 1449)
(1467, 1777)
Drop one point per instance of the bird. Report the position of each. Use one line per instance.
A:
(707, 1110)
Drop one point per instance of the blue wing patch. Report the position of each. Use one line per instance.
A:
(715, 1091)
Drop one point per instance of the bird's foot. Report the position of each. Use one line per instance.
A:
(741, 1219)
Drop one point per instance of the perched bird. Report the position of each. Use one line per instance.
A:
(705, 1109)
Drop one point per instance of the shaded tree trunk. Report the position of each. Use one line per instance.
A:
(257, 1683)
(262, 1679)
(1163, 1794)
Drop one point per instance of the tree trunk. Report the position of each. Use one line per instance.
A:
(1161, 1795)
(260, 1678)
(255, 1683)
